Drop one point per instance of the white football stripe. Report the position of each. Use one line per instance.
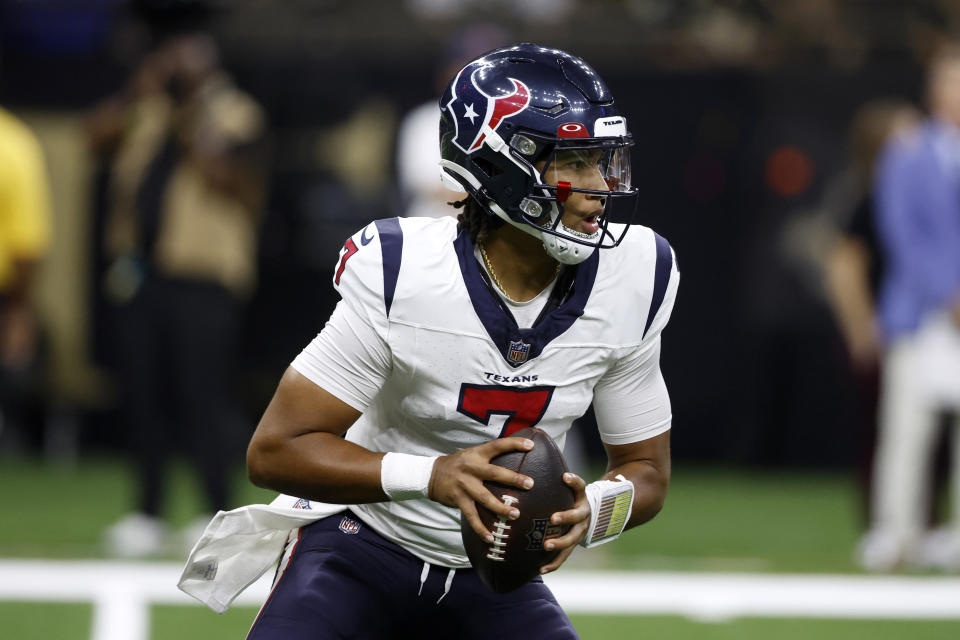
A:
(121, 593)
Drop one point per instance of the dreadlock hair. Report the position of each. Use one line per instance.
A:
(475, 219)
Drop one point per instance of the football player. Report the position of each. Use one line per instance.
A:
(452, 335)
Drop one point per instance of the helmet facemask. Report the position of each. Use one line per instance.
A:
(552, 172)
(589, 171)
(594, 173)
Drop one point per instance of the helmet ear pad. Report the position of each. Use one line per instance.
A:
(501, 180)
(503, 184)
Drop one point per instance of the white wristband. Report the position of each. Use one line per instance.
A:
(611, 504)
(406, 477)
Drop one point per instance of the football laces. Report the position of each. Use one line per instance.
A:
(501, 532)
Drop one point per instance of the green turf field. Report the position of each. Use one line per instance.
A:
(72, 622)
(715, 519)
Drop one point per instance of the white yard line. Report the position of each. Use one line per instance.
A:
(121, 593)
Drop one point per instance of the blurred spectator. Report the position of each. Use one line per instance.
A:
(25, 234)
(918, 218)
(854, 265)
(537, 11)
(418, 156)
(185, 195)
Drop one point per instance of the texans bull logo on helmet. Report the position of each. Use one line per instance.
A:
(475, 110)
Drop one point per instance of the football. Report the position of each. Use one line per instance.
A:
(516, 554)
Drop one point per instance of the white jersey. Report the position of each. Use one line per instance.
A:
(421, 345)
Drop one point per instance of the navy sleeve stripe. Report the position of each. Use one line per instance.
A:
(661, 277)
(391, 248)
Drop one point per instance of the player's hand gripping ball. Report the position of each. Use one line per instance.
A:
(516, 554)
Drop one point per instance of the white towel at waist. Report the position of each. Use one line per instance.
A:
(239, 546)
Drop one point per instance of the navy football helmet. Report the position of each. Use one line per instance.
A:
(522, 128)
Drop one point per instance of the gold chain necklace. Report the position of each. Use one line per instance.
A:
(493, 274)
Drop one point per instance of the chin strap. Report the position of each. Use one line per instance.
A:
(564, 251)
(611, 503)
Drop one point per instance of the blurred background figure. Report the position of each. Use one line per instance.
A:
(25, 235)
(184, 197)
(418, 156)
(854, 267)
(917, 194)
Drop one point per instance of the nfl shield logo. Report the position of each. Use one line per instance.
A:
(349, 526)
(519, 350)
(542, 530)
(536, 535)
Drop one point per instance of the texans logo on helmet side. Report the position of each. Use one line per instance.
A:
(474, 109)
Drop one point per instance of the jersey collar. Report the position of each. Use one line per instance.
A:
(519, 346)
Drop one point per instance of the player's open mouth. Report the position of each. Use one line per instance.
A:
(586, 228)
(590, 225)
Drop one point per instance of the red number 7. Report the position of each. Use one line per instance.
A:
(524, 407)
(349, 248)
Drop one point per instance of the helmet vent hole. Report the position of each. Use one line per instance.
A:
(522, 60)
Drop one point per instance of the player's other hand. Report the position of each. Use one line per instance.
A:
(458, 478)
(578, 518)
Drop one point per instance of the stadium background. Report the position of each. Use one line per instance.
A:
(741, 111)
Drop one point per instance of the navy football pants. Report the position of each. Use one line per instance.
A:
(340, 585)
